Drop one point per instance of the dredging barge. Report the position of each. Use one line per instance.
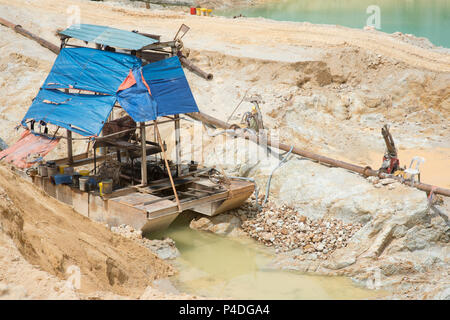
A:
(122, 178)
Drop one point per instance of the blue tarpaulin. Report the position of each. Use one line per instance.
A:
(158, 89)
(90, 69)
(82, 113)
(137, 101)
(169, 87)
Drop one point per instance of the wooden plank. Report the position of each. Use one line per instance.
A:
(166, 185)
(79, 163)
(75, 158)
(120, 192)
(202, 190)
(185, 205)
(134, 199)
(159, 208)
(69, 147)
(191, 194)
(159, 199)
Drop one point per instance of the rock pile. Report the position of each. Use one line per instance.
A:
(286, 229)
(164, 249)
(387, 182)
(223, 224)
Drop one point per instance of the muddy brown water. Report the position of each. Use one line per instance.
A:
(215, 266)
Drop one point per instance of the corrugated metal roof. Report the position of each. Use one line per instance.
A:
(108, 36)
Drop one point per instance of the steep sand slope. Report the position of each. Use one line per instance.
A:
(52, 236)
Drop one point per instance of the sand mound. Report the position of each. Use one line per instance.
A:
(52, 236)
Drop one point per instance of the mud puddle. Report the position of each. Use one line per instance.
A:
(215, 266)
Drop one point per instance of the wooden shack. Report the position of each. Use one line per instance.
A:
(99, 73)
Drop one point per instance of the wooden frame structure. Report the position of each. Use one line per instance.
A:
(153, 204)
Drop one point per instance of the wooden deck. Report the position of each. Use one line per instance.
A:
(151, 207)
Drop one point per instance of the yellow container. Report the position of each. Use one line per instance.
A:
(209, 12)
(61, 168)
(84, 173)
(203, 11)
(199, 12)
(105, 187)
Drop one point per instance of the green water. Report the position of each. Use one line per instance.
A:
(221, 267)
(423, 18)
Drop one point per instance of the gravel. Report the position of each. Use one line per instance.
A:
(164, 249)
(286, 229)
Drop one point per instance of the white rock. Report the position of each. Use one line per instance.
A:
(387, 181)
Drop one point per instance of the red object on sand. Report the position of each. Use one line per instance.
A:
(28, 144)
(193, 11)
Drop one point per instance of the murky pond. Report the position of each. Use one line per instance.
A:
(423, 18)
(220, 267)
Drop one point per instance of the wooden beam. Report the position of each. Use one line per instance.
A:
(144, 155)
(69, 147)
(167, 166)
(189, 203)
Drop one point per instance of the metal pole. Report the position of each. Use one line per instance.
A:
(177, 144)
(144, 155)
(25, 33)
(188, 64)
(366, 171)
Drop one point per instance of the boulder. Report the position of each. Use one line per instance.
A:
(223, 224)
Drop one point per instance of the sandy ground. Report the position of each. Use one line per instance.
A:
(281, 41)
(326, 88)
(48, 241)
(339, 79)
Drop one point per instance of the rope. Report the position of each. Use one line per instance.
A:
(282, 162)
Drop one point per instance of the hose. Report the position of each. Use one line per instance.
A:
(282, 162)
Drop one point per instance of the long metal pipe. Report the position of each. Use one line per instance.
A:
(188, 64)
(207, 119)
(365, 171)
(19, 29)
(55, 49)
